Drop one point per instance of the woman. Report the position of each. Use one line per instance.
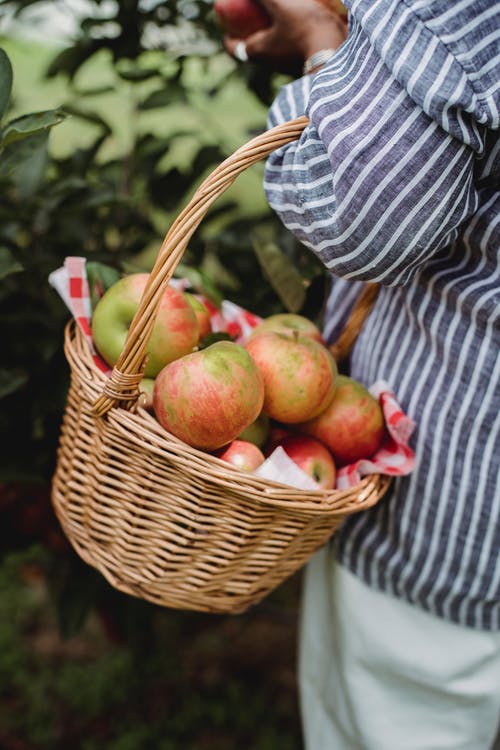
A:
(396, 180)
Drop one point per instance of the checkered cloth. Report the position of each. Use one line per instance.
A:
(229, 318)
(395, 457)
(72, 284)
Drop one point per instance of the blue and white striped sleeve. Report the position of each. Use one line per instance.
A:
(375, 186)
(291, 103)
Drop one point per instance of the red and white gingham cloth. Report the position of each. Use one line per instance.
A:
(72, 284)
(230, 318)
(394, 457)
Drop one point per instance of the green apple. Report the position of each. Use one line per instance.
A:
(146, 387)
(175, 331)
(257, 432)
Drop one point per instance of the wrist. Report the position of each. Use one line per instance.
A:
(319, 46)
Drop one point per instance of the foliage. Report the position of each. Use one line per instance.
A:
(23, 161)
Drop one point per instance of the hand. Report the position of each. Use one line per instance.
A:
(298, 29)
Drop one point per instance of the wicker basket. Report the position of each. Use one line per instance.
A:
(163, 521)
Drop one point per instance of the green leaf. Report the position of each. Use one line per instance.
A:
(164, 97)
(5, 81)
(100, 277)
(8, 264)
(134, 73)
(87, 116)
(213, 338)
(12, 380)
(200, 282)
(27, 125)
(213, 268)
(69, 60)
(281, 274)
(94, 90)
(25, 162)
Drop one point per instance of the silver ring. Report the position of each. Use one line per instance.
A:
(240, 52)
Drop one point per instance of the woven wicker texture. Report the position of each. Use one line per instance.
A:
(163, 521)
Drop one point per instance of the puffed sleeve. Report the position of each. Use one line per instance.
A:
(375, 186)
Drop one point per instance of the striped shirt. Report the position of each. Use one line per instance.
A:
(397, 180)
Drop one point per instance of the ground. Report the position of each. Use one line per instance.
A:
(134, 677)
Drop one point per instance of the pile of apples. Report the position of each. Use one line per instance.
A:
(240, 402)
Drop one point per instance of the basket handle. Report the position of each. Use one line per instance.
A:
(122, 385)
(359, 313)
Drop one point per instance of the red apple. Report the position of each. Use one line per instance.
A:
(299, 375)
(352, 425)
(312, 457)
(202, 314)
(242, 454)
(288, 323)
(175, 331)
(207, 398)
(240, 18)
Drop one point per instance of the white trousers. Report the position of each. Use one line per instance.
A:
(376, 673)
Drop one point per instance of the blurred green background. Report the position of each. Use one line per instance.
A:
(107, 126)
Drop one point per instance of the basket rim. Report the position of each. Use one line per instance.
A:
(268, 492)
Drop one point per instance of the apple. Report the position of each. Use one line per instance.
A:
(146, 387)
(209, 397)
(240, 18)
(257, 432)
(202, 314)
(352, 426)
(312, 457)
(242, 454)
(277, 432)
(175, 331)
(299, 375)
(288, 323)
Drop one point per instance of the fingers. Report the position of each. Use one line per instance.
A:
(261, 42)
(299, 28)
(237, 48)
(252, 47)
